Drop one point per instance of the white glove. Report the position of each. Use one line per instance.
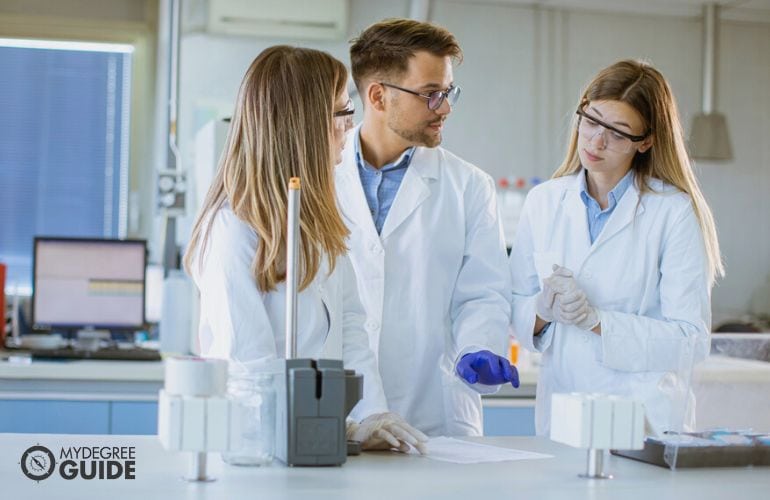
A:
(384, 431)
(544, 302)
(571, 306)
(558, 282)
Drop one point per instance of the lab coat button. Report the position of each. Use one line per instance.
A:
(372, 325)
(587, 274)
(585, 338)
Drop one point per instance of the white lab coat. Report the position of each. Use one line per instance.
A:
(434, 284)
(647, 275)
(241, 324)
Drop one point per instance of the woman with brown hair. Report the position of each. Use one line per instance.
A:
(290, 120)
(615, 256)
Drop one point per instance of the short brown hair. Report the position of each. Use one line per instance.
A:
(385, 48)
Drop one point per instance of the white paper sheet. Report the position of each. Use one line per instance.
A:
(457, 451)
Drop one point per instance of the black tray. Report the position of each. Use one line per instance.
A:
(700, 456)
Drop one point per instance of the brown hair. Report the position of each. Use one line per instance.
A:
(645, 89)
(282, 128)
(384, 48)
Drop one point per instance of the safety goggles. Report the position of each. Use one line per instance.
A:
(614, 140)
(435, 99)
(346, 115)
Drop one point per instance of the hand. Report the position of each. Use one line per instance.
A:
(487, 368)
(571, 306)
(385, 431)
(544, 302)
(557, 282)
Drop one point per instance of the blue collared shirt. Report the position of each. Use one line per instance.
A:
(597, 218)
(381, 185)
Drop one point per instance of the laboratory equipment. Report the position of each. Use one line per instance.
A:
(178, 318)
(713, 448)
(597, 422)
(83, 283)
(313, 397)
(255, 400)
(194, 413)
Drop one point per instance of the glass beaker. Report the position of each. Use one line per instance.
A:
(254, 396)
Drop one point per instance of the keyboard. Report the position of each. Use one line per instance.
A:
(104, 353)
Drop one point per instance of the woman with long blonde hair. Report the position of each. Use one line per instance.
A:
(290, 120)
(615, 256)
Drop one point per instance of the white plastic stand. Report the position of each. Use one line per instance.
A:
(194, 413)
(597, 422)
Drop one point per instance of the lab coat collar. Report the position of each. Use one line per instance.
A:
(575, 212)
(627, 208)
(414, 188)
(350, 193)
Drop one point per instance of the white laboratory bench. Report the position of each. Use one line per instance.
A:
(379, 475)
(120, 397)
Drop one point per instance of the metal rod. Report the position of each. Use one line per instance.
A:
(173, 83)
(292, 249)
(197, 470)
(710, 13)
(595, 465)
(173, 158)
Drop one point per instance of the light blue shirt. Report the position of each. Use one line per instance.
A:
(381, 185)
(597, 218)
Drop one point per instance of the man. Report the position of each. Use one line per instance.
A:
(426, 243)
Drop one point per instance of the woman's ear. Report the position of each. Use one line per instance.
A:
(646, 145)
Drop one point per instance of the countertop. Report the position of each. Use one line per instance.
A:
(375, 475)
(714, 368)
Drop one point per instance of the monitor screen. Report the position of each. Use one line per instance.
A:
(80, 283)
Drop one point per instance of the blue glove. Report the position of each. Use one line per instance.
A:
(487, 368)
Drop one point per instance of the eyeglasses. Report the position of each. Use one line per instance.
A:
(436, 98)
(346, 114)
(614, 139)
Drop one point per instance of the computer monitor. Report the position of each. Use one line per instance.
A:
(88, 283)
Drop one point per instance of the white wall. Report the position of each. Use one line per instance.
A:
(523, 72)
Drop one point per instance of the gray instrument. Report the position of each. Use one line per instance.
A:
(313, 397)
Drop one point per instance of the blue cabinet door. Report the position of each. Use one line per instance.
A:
(54, 417)
(134, 417)
(509, 421)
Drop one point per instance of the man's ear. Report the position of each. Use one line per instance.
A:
(375, 96)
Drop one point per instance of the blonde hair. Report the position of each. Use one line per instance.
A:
(282, 127)
(644, 88)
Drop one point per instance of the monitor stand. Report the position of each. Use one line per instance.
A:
(90, 339)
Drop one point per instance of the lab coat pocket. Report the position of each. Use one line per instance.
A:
(462, 405)
(544, 262)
